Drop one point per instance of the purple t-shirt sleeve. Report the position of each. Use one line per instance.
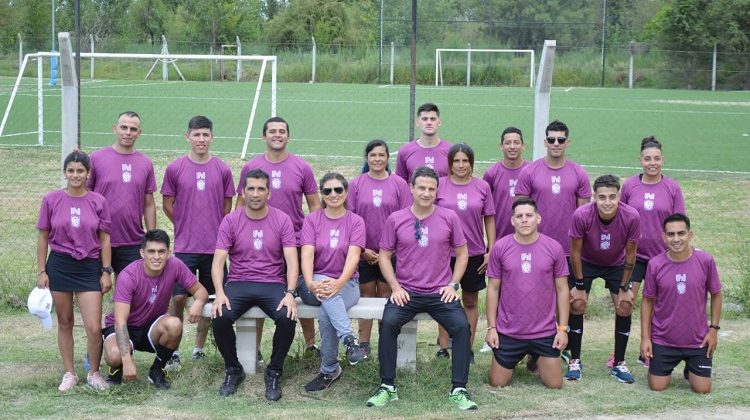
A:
(489, 204)
(185, 277)
(43, 222)
(151, 179)
(584, 188)
(357, 235)
(679, 200)
(401, 169)
(523, 186)
(168, 185)
(579, 226)
(309, 186)
(307, 236)
(105, 221)
(405, 198)
(288, 237)
(124, 288)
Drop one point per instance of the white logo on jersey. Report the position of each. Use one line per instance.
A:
(275, 180)
(200, 180)
(555, 184)
(512, 187)
(462, 201)
(126, 173)
(377, 197)
(681, 280)
(605, 241)
(334, 242)
(429, 161)
(75, 217)
(152, 298)
(648, 201)
(526, 262)
(423, 239)
(258, 239)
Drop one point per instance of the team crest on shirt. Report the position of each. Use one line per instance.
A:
(429, 161)
(152, 297)
(648, 201)
(200, 178)
(334, 241)
(275, 180)
(75, 217)
(258, 239)
(126, 173)
(377, 198)
(556, 181)
(526, 263)
(423, 237)
(512, 187)
(681, 280)
(605, 241)
(462, 201)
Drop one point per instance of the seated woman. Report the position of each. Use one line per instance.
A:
(332, 240)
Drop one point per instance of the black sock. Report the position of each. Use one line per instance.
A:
(163, 355)
(622, 334)
(575, 336)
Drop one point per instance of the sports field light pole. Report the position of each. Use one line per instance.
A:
(542, 96)
(70, 98)
(380, 55)
(53, 25)
(413, 68)
(77, 74)
(20, 50)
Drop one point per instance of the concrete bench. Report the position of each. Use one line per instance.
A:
(366, 308)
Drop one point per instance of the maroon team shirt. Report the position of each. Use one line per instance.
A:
(471, 202)
(528, 296)
(502, 183)
(411, 156)
(679, 292)
(374, 200)
(332, 239)
(74, 223)
(605, 244)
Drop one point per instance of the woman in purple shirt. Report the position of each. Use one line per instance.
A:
(332, 240)
(471, 199)
(74, 225)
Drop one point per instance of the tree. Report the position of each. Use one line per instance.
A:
(216, 21)
(36, 24)
(8, 26)
(148, 18)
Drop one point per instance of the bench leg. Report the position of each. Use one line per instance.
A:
(247, 351)
(407, 346)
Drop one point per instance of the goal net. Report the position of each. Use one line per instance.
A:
(516, 65)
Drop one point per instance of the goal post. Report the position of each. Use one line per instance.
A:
(439, 61)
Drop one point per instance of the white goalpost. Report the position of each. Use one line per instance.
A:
(264, 60)
(439, 61)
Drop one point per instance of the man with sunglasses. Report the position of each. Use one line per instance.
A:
(422, 237)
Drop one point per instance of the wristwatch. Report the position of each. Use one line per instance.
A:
(455, 286)
(108, 270)
(563, 328)
(627, 286)
(716, 327)
(292, 292)
(579, 284)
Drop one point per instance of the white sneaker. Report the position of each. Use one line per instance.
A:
(96, 381)
(485, 348)
(69, 381)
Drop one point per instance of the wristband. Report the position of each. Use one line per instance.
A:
(716, 327)
(563, 328)
(40, 273)
(490, 328)
(292, 292)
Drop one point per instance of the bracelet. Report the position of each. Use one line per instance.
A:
(716, 327)
(628, 266)
(40, 273)
(490, 328)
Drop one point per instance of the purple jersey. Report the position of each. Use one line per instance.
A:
(556, 192)
(503, 182)
(374, 200)
(74, 223)
(148, 296)
(471, 202)
(290, 179)
(124, 180)
(332, 239)
(679, 293)
(605, 244)
(423, 264)
(199, 190)
(256, 246)
(528, 295)
(412, 155)
(654, 202)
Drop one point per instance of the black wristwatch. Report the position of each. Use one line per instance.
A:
(292, 292)
(716, 327)
(579, 284)
(626, 287)
(108, 270)
(455, 286)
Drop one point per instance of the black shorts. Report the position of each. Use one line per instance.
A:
(666, 358)
(612, 277)
(122, 256)
(140, 337)
(639, 270)
(472, 281)
(67, 274)
(512, 351)
(200, 263)
(371, 272)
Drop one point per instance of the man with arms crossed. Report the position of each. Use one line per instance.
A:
(422, 237)
(528, 286)
(428, 150)
(673, 311)
(140, 320)
(263, 269)
(604, 240)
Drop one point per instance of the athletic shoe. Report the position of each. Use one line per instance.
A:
(575, 370)
(86, 362)
(173, 364)
(443, 353)
(645, 361)
(232, 380)
(531, 365)
(114, 375)
(382, 396)
(69, 381)
(565, 355)
(354, 353)
(158, 377)
(323, 381)
(198, 355)
(366, 347)
(273, 385)
(96, 381)
(462, 399)
(311, 351)
(611, 361)
(259, 358)
(622, 374)
(485, 348)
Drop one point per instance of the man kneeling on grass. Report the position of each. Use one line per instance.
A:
(673, 312)
(140, 320)
(528, 285)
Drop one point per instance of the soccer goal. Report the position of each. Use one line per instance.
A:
(468, 52)
(33, 113)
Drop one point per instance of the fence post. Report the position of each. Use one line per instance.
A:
(630, 66)
(211, 52)
(20, 50)
(393, 60)
(239, 62)
(468, 66)
(314, 57)
(164, 64)
(40, 99)
(91, 39)
(713, 71)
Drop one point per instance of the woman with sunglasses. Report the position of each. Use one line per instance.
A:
(374, 195)
(74, 226)
(471, 199)
(332, 241)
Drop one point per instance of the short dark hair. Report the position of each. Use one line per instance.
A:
(428, 107)
(425, 171)
(524, 201)
(676, 217)
(557, 125)
(77, 156)
(607, 181)
(509, 130)
(257, 174)
(455, 149)
(371, 145)
(278, 120)
(155, 235)
(199, 121)
(130, 114)
(649, 142)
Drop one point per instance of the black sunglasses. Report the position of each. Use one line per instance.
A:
(417, 230)
(328, 191)
(561, 140)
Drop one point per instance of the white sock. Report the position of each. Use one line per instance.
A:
(455, 390)
(388, 387)
(197, 349)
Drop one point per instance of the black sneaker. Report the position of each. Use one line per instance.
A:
(114, 375)
(366, 347)
(273, 385)
(158, 377)
(323, 381)
(354, 353)
(232, 380)
(443, 353)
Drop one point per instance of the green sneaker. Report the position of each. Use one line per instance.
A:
(382, 397)
(462, 399)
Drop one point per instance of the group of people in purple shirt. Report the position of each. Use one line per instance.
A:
(534, 234)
